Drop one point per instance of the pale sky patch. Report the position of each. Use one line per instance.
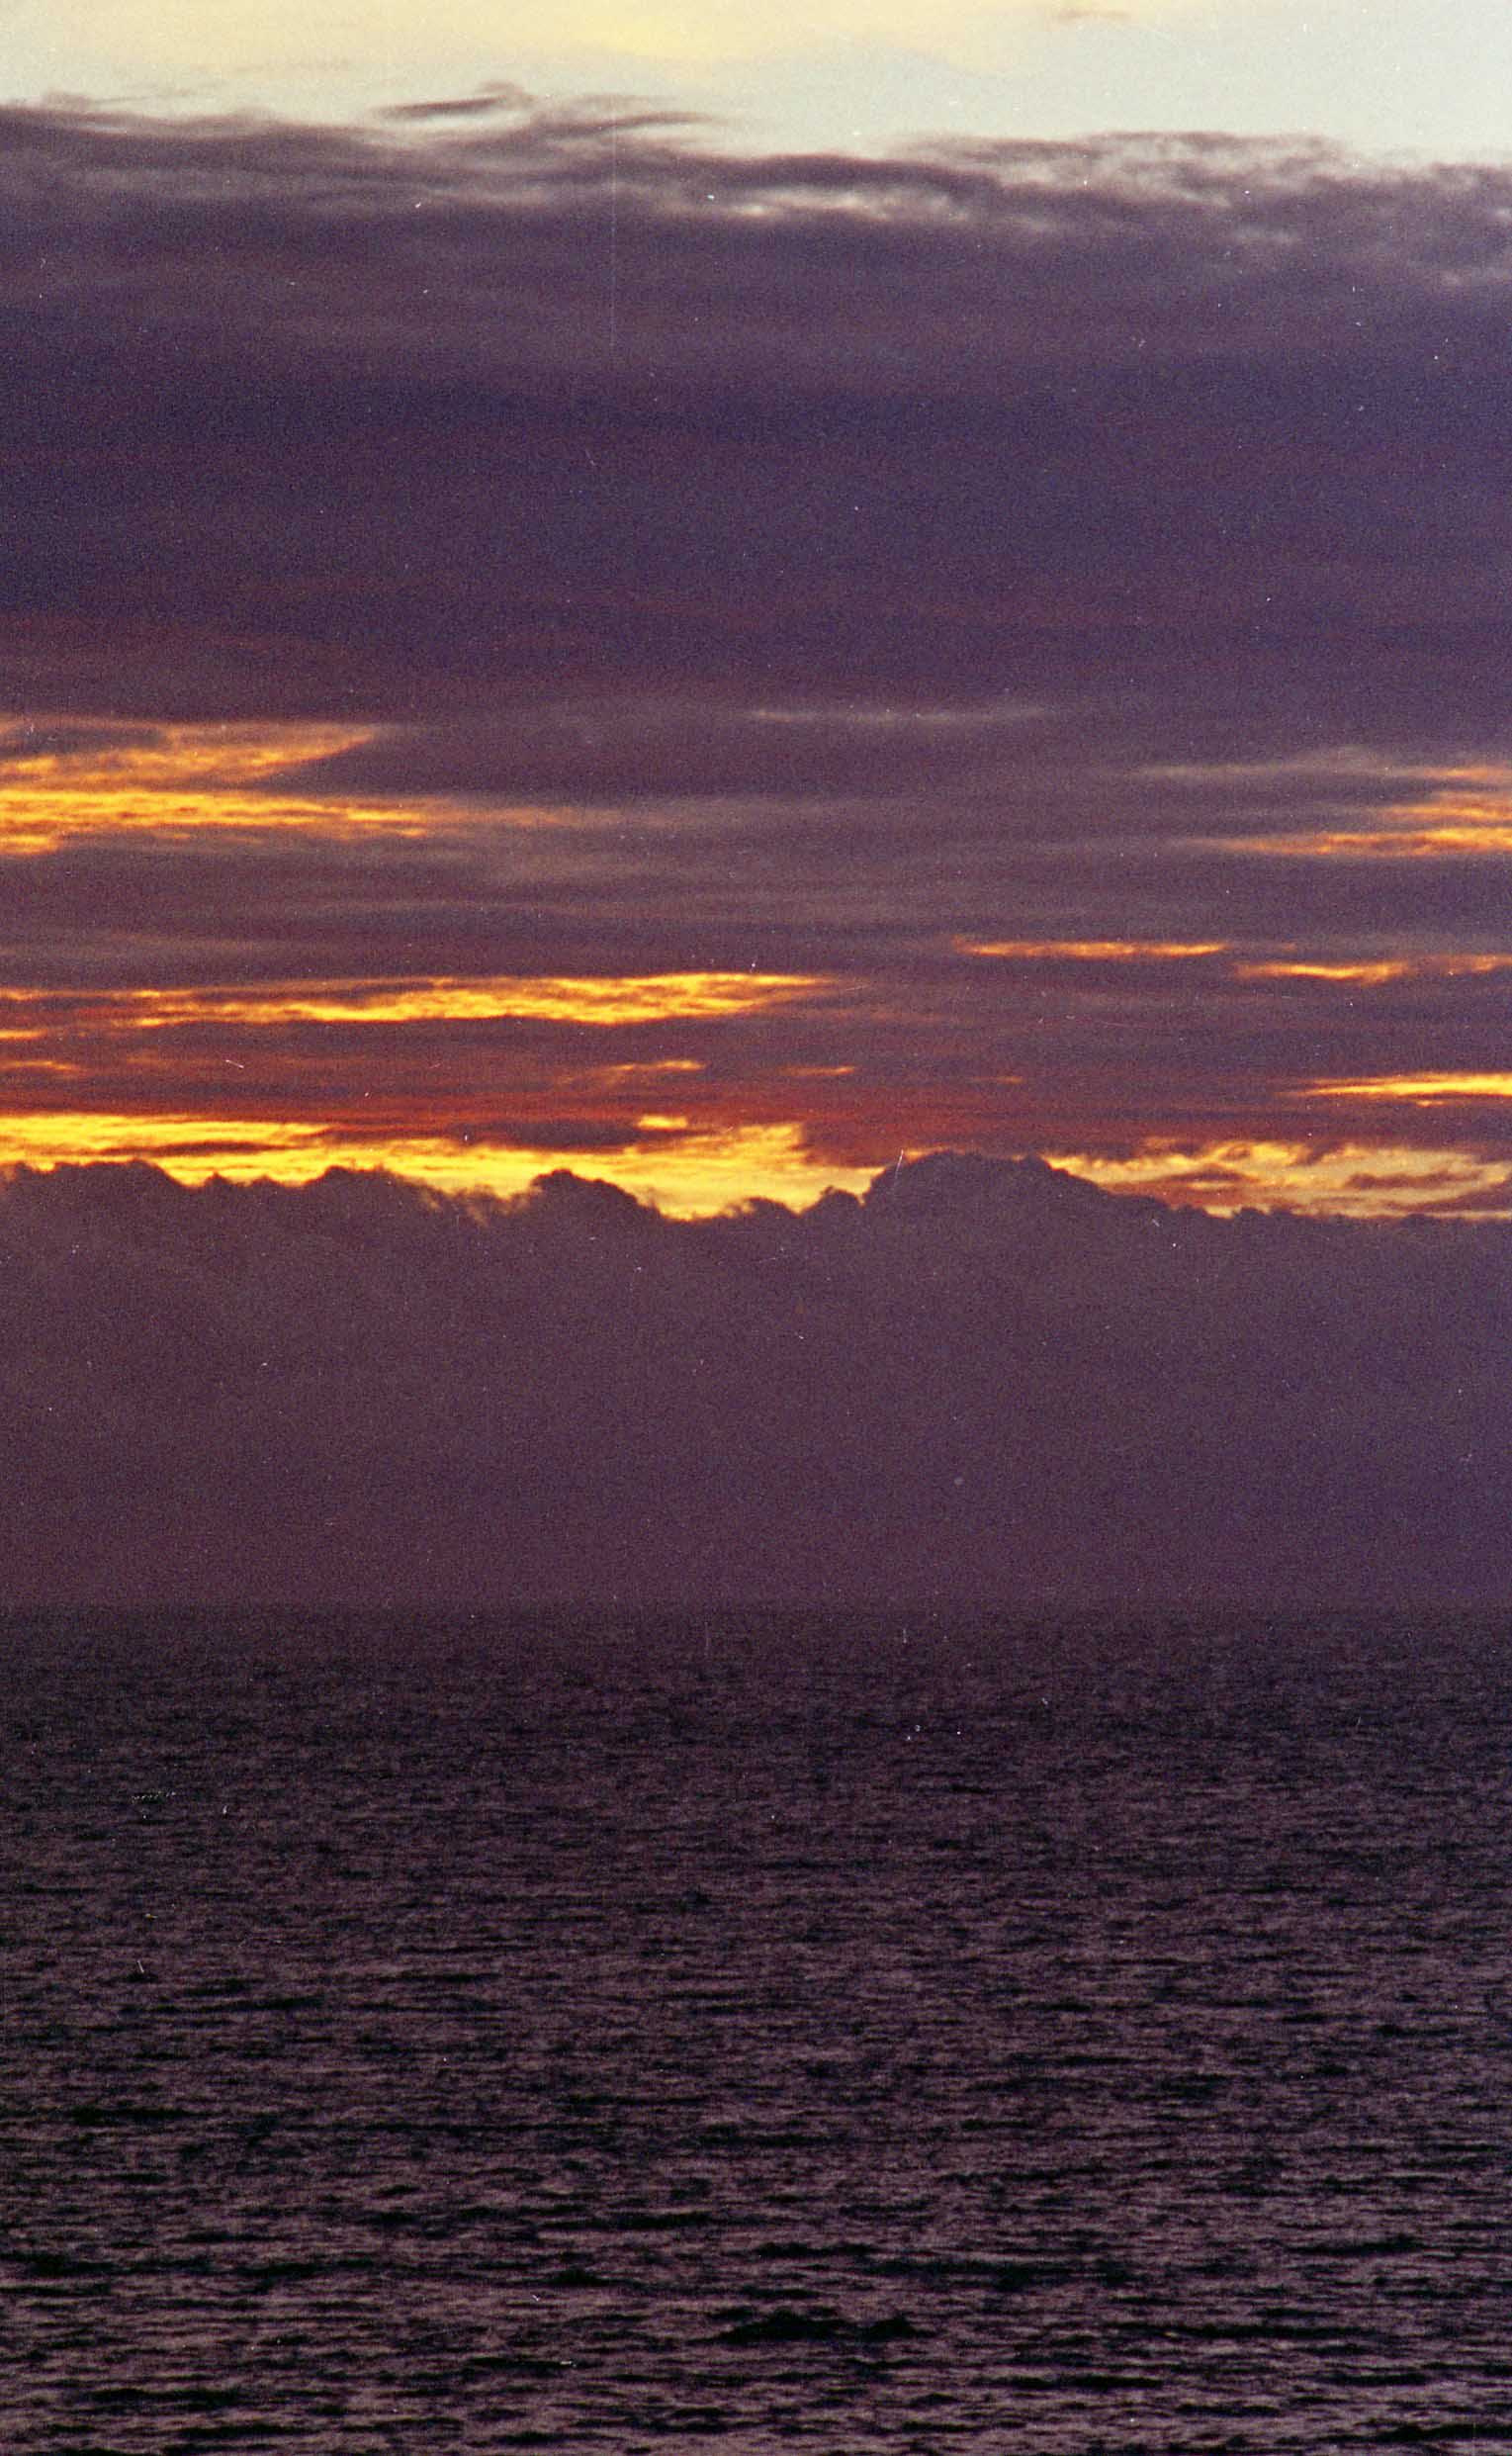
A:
(1397, 76)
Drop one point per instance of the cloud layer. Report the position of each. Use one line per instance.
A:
(572, 404)
(984, 1383)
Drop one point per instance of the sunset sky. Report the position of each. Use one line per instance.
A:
(719, 605)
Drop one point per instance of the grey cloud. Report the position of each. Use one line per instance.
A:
(487, 103)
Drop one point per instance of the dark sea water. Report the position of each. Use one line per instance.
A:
(1059, 2038)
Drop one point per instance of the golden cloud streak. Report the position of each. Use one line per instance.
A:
(1396, 844)
(181, 776)
(185, 777)
(591, 999)
(175, 755)
(1376, 975)
(1360, 973)
(1091, 950)
(1423, 1088)
(1426, 828)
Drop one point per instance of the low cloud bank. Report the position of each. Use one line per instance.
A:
(987, 1381)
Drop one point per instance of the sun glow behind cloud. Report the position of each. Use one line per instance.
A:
(688, 1174)
(691, 1172)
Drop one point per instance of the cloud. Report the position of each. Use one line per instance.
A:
(487, 104)
(840, 972)
(633, 748)
(535, 545)
(984, 1382)
(545, 407)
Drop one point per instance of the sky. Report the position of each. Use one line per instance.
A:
(756, 804)
(722, 599)
(1382, 75)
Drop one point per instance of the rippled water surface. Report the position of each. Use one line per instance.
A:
(1079, 2038)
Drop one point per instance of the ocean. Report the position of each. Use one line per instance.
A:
(1061, 2038)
